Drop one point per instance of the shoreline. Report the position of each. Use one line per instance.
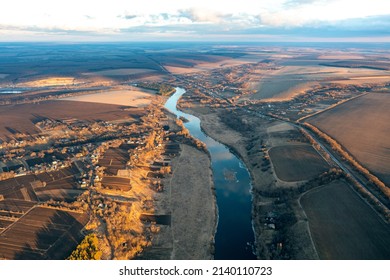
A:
(237, 146)
(193, 201)
(189, 198)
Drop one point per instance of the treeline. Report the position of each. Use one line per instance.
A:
(346, 156)
(315, 145)
(7, 175)
(162, 89)
(374, 202)
(188, 139)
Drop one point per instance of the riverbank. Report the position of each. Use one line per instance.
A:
(286, 236)
(193, 205)
(189, 199)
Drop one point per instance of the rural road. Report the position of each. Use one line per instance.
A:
(381, 201)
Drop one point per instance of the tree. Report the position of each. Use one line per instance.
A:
(87, 250)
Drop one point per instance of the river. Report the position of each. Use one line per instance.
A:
(234, 238)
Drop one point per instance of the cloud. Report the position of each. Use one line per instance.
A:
(128, 16)
(296, 3)
(202, 15)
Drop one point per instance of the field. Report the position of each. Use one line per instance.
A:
(43, 233)
(21, 118)
(113, 160)
(343, 226)
(133, 97)
(296, 162)
(293, 79)
(120, 72)
(362, 126)
(198, 66)
(59, 194)
(11, 210)
(113, 182)
(51, 81)
(18, 188)
(61, 185)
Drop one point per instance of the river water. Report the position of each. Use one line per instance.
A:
(234, 238)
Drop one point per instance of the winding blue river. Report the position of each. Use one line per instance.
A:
(234, 238)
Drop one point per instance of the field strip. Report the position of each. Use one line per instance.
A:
(331, 107)
(7, 228)
(307, 220)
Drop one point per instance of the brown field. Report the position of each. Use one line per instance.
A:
(113, 160)
(18, 206)
(21, 118)
(365, 80)
(50, 81)
(297, 162)
(362, 126)
(134, 97)
(61, 184)
(18, 188)
(343, 226)
(289, 81)
(54, 176)
(11, 210)
(116, 183)
(58, 194)
(42, 233)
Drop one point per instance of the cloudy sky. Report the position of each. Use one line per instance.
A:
(186, 20)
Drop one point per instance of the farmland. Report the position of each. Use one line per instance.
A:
(18, 188)
(343, 226)
(11, 210)
(290, 80)
(21, 118)
(60, 185)
(43, 233)
(296, 162)
(361, 126)
(113, 160)
(133, 97)
(113, 182)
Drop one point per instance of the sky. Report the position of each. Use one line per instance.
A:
(195, 20)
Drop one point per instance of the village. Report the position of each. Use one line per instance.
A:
(105, 169)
